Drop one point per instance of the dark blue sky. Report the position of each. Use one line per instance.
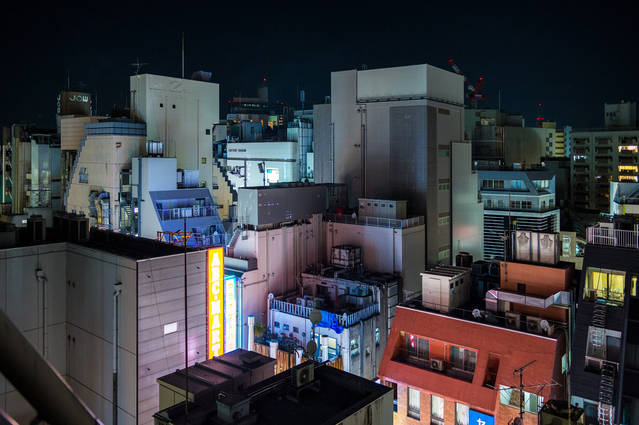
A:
(570, 58)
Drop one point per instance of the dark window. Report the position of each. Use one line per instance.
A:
(173, 106)
(161, 105)
(521, 288)
(208, 131)
(296, 329)
(277, 324)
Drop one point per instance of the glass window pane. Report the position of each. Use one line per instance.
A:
(437, 407)
(461, 414)
(413, 403)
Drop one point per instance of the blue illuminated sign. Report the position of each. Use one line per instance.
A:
(477, 418)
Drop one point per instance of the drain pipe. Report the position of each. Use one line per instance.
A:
(117, 290)
(41, 278)
(251, 333)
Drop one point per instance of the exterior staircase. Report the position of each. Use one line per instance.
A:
(76, 161)
(606, 411)
(223, 192)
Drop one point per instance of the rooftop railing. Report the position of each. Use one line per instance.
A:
(601, 235)
(395, 223)
(345, 320)
(186, 212)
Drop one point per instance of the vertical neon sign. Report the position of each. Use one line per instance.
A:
(230, 315)
(215, 302)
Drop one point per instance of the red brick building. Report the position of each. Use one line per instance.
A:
(448, 370)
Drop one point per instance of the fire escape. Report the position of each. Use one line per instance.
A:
(606, 411)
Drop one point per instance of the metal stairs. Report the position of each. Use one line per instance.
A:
(225, 176)
(76, 161)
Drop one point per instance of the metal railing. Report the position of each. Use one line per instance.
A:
(186, 212)
(345, 320)
(612, 237)
(402, 355)
(395, 223)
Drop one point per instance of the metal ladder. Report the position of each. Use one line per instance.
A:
(599, 315)
(606, 411)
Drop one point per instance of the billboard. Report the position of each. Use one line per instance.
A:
(478, 418)
(215, 302)
(230, 316)
(74, 103)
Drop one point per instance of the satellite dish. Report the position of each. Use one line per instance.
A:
(544, 324)
(477, 313)
(311, 347)
(315, 316)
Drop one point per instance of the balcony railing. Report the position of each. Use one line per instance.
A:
(448, 369)
(612, 237)
(186, 212)
(345, 320)
(377, 221)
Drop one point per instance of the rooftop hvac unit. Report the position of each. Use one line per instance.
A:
(196, 210)
(533, 325)
(303, 375)
(513, 320)
(437, 364)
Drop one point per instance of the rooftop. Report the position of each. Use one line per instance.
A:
(447, 271)
(375, 221)
(336, 396)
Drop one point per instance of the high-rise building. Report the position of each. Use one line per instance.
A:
(605, 349)
(516, 200)
(601, 155)
(391, 134)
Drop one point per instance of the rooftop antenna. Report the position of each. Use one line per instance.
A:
(138, 65)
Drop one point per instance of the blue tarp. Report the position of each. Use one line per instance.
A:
(329, 320)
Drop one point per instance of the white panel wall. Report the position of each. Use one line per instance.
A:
(21, 297)
(402, 81)
(156, 174)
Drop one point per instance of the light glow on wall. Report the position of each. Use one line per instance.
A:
(215, 302)
(230, 317)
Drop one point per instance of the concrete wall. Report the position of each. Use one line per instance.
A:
(280, 254)
(467, 211)
(72, 131)
(21, 298)
(179, 112)
(384, 249)
(90, 310)
(381, 412)
(160, 302)
(322, 143)
(103, 160)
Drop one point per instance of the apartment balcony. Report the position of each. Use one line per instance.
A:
(603, 141)
(607, 236)
(180, 213)
(433, 365)
(581, 142)
(628, 160)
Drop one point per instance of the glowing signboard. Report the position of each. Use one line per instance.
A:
(478, 418)
(215, 302)
(230, 317)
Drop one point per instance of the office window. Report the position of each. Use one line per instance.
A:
(208, 131)
(443, 220)
(436, 410)
(461, 414)
(285, 327)
(444, 186)
(84, 175)
(489, 203)
(444, 153)
(517, 184)
(443, 254)
(463, 358)
(512, 397)
(413, 403)
(499, 184)
(516, 205)
(276, 324)
(332, 348)
(376, 336)
(296, 329)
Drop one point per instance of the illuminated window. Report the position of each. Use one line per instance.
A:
(629, 148)
(509, 396)
(376, 336)
(443, 220)
(461, 414)
(632, 168)
(84, 175)
(463, 358)
(417, 348)
(633, 286)
(354, 347)
(628, 178)
(605, 285)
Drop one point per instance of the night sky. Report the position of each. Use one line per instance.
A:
(570, 58)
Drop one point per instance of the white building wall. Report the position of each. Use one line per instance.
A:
(467, 212)
(21, 298)
(179, 112)
(280, 156)
(281, 254)
(155, 174)
(104, 161)
(384, 249)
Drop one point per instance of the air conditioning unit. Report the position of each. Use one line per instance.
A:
(303, 375)
(533, 325)
(437, 364)
(513, 320)
(300, 301)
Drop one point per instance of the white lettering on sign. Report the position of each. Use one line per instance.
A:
(79, 98)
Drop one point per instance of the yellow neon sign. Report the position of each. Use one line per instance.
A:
(215, 302)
